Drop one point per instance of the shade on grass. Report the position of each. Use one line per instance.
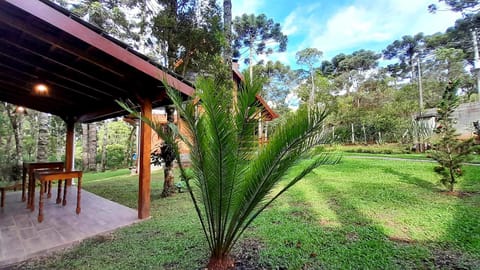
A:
(359, 214)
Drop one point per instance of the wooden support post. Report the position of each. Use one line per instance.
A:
(144, 174)
(69, 145)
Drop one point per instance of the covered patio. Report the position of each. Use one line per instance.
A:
(84, 71)
(23, 237)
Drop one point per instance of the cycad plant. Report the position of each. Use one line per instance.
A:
(232, 178)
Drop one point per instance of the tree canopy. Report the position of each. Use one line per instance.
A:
(259, 34)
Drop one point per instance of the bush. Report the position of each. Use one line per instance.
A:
(115, 156)
(375, 149)
(10, 173)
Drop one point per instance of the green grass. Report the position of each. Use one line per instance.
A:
(360, 214)
(88, 177)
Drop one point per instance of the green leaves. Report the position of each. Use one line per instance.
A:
(450, 152)
(254, 32)
(233, 174)
(233, 178)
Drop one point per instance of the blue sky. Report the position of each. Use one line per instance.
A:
(343, 26)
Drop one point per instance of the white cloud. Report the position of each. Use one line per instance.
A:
(360, 24)
(240, 7)
(276, 56)
(301, 19)
(366, 22)
(349, 27)
(292, 101)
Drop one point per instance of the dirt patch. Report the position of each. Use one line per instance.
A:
(460, 194)
(303, 214)
(247, 255)
(401, 240)
(351, 236)
(329, 223)
(104, 238)
(171, 266)
(443, 259)
(333, 202)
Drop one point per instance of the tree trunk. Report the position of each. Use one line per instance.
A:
(250, 58)
(104, 146)
(353, 134)
(92, 147)
(364, 134)
(221, 263)
(85, 146)
(16, 122)
(168, 183)
(172, 6)
(130, 149)
(169, 180)
(42, 142)
(227, 30)
(312, 92)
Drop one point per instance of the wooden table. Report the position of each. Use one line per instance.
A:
(28, 169)
(47, 176)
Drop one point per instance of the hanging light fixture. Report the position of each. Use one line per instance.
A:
(40, 89)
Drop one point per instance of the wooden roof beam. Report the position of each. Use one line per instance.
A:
(83, 33)
(73, 71)
(57, 42)
(8, 83)
(40, 104)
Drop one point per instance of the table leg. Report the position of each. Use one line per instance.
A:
(49, 188)
(24, 180)
(59, 192)
(31, 185)
(79, 196)
(40, 203)
(65, 194)
(29, 190)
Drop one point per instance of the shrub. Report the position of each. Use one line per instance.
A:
(115, 156)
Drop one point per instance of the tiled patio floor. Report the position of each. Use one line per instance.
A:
(22, 237)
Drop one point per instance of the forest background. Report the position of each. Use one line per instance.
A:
(371, 103)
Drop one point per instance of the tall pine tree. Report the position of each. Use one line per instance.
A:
(450, 152)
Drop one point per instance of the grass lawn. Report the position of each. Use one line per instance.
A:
(360, 214)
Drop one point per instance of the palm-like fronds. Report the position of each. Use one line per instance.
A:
(233, 176)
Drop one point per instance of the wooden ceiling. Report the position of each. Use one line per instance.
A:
(85, 69)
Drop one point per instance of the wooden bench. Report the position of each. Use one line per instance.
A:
(28, 171)
(7, 186)
(48, 176)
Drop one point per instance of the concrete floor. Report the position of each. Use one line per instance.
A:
(22, 237)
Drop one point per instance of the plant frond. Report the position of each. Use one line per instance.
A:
(232, 177)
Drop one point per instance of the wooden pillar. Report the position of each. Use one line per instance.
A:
(144, 162)
(69, 147)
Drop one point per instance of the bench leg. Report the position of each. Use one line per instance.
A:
(65, 194)
(40, 203)
(2, 197)
(24, 182)
(59, 192)
(79, 195)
